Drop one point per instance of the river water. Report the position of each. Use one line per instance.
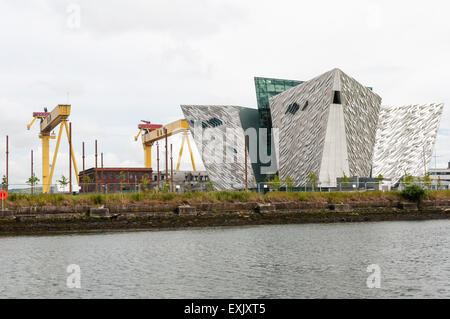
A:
(286, 261)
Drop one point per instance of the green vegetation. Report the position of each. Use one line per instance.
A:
(426, 180)
(210, 186)
(275, 183)
(408, 179)
(412, 193)
(345, 179)
(4, 183)
(289, 183)
(33, 180)
(63, 181)
(312, 179)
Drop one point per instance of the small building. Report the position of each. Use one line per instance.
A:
(440, 177)
(115, 180)
(111, 180)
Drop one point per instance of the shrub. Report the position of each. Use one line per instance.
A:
(413, 193)
(168, 196)
(13, 197)
(137, 197)
(98, 199)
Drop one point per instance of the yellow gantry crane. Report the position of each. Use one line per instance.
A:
(155, 133)
(49, 121)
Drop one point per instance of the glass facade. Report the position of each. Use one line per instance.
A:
(265, 89)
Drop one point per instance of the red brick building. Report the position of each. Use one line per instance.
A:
(110, 180)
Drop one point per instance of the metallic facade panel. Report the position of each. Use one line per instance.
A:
(405, 139)
(361, 111)
(302, 134)
(219, 136)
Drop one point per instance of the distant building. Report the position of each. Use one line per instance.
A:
(111, 180)
(115, 180)
(441, 176)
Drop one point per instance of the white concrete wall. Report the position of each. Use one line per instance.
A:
(335, 155)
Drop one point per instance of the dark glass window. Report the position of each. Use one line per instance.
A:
(214, 122)
(293, 108)
(305, 106)
(337, 97)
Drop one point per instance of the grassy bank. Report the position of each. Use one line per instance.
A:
(24, 200)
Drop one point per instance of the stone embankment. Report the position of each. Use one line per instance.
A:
(138, 216)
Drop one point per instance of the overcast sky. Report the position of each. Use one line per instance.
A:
(126, 61)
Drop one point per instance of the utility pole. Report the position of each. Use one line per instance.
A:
(7, 159)
(32, 174)
(157, 161)
(70, 158)
(246, 176)
(83, 159)
(167, 157)
(171, 167)
(84, 187)
(96, 154)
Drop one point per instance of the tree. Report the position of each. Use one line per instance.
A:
(210, 187)
(312, 179)
(379, 178)
(86, 179)
(63, 181)
(122, 180)
(289, 183)
(145, 182)
(32, 181)
(408, 179)
(345, 179)
(439, 182)
(4, 183)
(275, 182)
(426, 180)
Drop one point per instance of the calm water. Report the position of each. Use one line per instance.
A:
(289, 261)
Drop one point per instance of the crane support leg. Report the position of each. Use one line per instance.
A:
(45, 162)
(192, 154)
(55, 155)
(72, 155)
(181, 150)
(148, 156)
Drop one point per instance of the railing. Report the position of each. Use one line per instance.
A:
(344, 187)
(105, 188)
(114, 188)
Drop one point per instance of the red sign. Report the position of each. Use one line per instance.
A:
(41, 114)
(3, 195)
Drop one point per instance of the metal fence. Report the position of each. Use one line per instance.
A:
(263, 188)
(87, 188)
(344, 187)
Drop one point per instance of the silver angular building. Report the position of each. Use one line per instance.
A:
(405, 139)
(331, 126)
(326, 126)
(218, 132)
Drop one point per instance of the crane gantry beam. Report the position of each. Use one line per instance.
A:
(152, 136)
(49, 121)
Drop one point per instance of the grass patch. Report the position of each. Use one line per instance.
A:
(26, 200)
